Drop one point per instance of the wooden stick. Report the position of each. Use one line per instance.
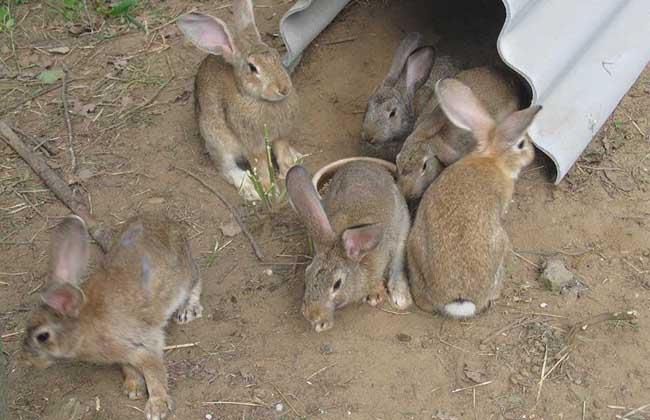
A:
(628, 315)
(181, 346)
(471, 387)
(68, 123)
(287, 401)
(247, 404)
(60, 189)
(235, 214)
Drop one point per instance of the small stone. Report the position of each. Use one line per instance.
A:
(230, 228)
(543, 305)
(268, 272)
(208, 416)
(326, 349)
(556, 277)
(85, 174)
(404, 338)
(279, 407)
(59, 50)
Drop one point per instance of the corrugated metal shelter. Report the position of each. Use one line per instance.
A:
(579, 58)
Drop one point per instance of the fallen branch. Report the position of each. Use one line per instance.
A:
(629, 315)
(68, 123)
(235, 214)
(60, 189)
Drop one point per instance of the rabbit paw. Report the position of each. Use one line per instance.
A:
(158, 408)
(400, 295)
(289, 159)
(374, 299)
(247, 190)
(189, 312)
(134, 388)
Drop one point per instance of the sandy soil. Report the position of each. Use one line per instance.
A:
(254, 346)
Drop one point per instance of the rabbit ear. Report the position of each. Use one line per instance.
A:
(359, 241)
(418, 67)
(245, 18)
(305, 201)
(446, 153)
(70, 250)
(409, 44)
(514, 126)
(65, 299)
(208, 34)
(464, 109)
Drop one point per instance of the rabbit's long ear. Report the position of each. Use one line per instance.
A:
(208, 34)
(465, 110)
(410, 43)
(418, 67)
(514, 126)
(305, 201)
(358, 241)
(70, 251)
(245, 20)
(65, 299)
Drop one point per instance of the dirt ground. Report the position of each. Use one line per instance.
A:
(255, 351)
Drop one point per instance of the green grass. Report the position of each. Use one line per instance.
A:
(123, 11)
(273, 197)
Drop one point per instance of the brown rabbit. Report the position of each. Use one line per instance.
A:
(457, 248)
(435, 142)
(241, 97)
(118, 314)
(359, 234)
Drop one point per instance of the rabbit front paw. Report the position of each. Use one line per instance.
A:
(134, 388)
(400, 295)
(375, 297)
(189, 312)
(158, 408)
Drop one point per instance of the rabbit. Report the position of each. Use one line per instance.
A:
(396, 103)
(118, 314)
(457, 247)
(436, 143)
(241, 98)
(359, 234)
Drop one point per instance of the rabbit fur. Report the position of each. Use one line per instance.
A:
(436, 143)
(242, 95)
(118, 314)
(359, 232)
(394, 106)
(457, 248)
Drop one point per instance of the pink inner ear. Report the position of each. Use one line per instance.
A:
(358, 241)
(62, 300)
(215, 39)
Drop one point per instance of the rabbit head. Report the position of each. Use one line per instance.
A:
(257, 67)
(506, 143)
(432, 146)
(390, 115)
(335, 277)
(52, 331)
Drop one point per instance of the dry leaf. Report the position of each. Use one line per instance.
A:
(59, 50)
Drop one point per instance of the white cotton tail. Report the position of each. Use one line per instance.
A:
(460, 309)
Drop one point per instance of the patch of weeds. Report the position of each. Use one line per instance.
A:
(69, 9)
(123, 10)
(7, 21)
(274, 196)
(618, 123)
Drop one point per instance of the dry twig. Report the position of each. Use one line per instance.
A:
(629, 315)
(233, 211)
(56, 185)
(66, 114)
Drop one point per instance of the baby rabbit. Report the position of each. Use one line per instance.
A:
(457, 248)
(118, 314)
(241, 97)
(398, 101)
(359, 234)
(436, 143)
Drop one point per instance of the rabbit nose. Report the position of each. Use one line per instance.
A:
(284, 90)
(321, 326)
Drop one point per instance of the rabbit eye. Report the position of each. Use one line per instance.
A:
(43, 337)
(392, 113)
(252, 68)
(520, 145)
(337, 285)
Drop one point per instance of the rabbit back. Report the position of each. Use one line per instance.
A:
(457, 246)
